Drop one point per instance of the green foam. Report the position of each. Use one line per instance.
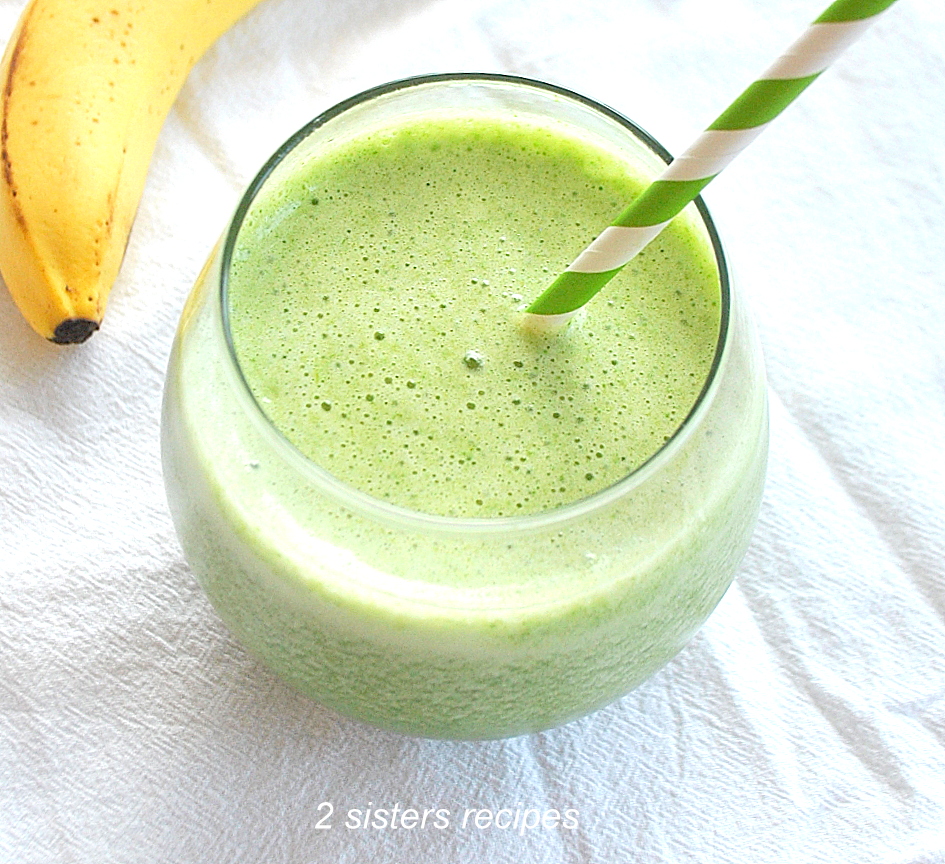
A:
(361, 284)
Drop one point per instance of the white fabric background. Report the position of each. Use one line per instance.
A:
(805, 723)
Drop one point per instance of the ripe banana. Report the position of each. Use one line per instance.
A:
(86, 85)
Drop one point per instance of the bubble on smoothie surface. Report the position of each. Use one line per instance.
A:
(349, 315)
(473, 359)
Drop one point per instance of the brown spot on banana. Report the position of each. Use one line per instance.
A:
(5, 161)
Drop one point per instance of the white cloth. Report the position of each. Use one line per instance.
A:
(805, 722)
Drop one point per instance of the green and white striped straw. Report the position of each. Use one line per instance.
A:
(824, 40)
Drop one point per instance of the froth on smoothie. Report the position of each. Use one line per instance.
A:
(375, 299)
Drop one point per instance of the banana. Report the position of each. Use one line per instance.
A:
(87, 85)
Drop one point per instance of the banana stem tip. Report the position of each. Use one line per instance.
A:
(74, 331)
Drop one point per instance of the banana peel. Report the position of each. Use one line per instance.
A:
(86, 86)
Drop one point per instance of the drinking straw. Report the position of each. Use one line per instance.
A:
(825, 39)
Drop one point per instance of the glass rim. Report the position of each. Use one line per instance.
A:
(354, 498)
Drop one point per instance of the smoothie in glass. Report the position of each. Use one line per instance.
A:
(405, 503)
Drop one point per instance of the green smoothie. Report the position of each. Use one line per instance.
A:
(407, 505)
(374, 302)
